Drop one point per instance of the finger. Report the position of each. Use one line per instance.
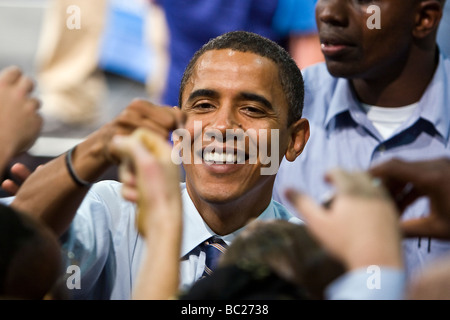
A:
(126, 173)
(121, 146)
(341, 180)
(426, 227)
(134, 122)
(180, 117)
(398, 173)
(165, 116)
(20, 171)
(10, 75)
(132, 149)
(129, 193)
(153, 143)
(34, 104)
(420, 227)
(25, 84)
(311, 212)
(10, 186)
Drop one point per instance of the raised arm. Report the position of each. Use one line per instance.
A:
(147, 169)
(407, 181)
(359, 227)
(52, 194)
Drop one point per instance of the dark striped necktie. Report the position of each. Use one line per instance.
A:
(213, 248)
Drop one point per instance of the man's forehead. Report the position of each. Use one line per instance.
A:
(212, 57)
(220, 66)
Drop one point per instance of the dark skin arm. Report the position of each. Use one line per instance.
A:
(52, 195)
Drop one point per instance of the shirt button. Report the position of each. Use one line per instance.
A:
(382, 148)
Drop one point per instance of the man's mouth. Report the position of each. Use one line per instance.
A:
(223, 157)
(332, 46)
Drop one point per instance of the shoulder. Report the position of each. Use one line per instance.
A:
(320, 87)
(445, 61)
(111, 185)
(317, 75)
(104, 202)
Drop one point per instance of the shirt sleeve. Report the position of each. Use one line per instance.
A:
(371, 283)
(294, 16)
(97, 240)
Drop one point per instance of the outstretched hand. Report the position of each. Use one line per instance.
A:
(20, 121)
(360, 225)
(149, 176)
(407, 181)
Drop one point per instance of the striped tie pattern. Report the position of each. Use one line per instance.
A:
(213, 248)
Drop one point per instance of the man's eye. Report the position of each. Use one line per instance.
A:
(203, 106)
(253, 110)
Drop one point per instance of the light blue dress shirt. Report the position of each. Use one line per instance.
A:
(342, 136)
(104, 243)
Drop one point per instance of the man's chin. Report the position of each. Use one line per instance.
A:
(218, 196)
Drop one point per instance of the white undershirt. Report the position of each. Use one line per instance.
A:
(387, 120)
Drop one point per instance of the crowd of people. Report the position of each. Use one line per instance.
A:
(358, 209)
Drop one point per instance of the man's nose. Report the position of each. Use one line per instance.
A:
(223, 120)
(224, 126)
(332, 12)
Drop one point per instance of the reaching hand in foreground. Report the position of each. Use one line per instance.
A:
(407, 181)
(360, 226)
(20, 122)
(149, 175)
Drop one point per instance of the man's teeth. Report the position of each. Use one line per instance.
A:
(220, 157)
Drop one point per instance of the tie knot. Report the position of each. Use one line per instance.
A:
(213, 247)
(217, 243)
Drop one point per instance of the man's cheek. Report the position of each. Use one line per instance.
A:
(269, 151)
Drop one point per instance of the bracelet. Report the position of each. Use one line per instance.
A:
(75, 178)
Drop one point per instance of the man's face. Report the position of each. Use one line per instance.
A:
(232, 91)
(351, 48)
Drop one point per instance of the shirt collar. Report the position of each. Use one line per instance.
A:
(196, 231)
(432, 106)
(342, 100)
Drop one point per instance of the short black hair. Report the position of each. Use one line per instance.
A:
(290, 75)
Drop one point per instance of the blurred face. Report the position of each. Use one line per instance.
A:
(351, 48)
(232, 91)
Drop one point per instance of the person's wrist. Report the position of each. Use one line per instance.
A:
(87, 162)
(159, 220)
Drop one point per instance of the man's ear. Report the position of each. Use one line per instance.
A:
(428, 16)
(299, 135)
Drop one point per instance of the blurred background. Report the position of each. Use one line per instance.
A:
(109, 59)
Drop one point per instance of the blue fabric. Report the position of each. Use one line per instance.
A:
(192, 23)
(295, 16)
(342, 136)
(213, 248)
(443, 37)
(124, 50)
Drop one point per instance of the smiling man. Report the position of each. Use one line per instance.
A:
(236, 82)
(382, 93)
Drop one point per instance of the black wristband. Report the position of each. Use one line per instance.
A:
(75, 178)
